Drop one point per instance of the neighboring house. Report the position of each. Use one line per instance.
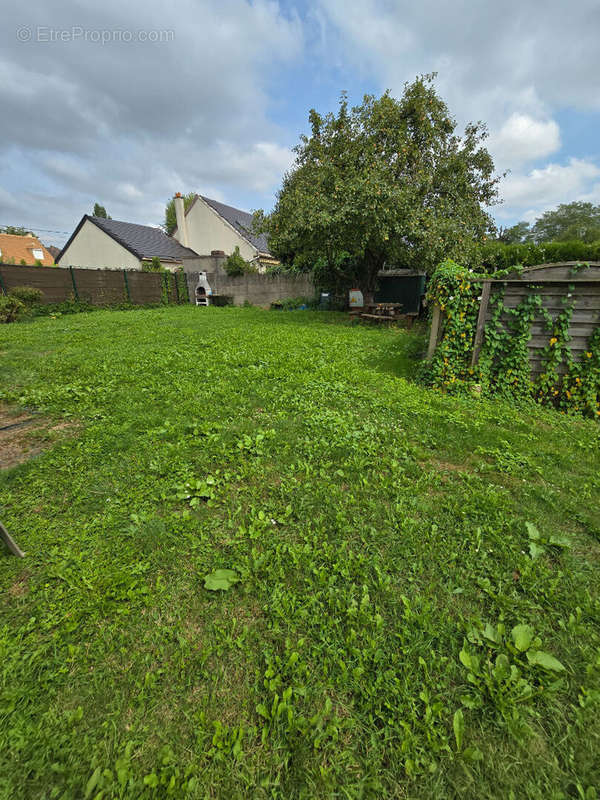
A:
(15, 249)
(99, 243)
(207, 232)
(208, 226)
(54, 251)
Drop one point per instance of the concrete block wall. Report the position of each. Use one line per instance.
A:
(205, 264)
(260, 290)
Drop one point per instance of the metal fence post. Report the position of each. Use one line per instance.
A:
(74, 284)
(127, 292)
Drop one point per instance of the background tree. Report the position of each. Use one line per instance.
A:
(387, 182)
(100, 211)
(16, 230)
(170, 220)
(516, 234)
(569, 222)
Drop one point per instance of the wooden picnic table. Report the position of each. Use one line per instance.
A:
(386, 312)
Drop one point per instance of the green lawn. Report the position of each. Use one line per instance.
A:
(379, 533)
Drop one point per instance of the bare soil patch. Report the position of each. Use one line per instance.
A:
(24, 435)
(20, 587)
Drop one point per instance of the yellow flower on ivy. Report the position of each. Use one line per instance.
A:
(553, 341)
(589, 355)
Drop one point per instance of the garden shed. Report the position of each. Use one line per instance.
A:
(403, 286)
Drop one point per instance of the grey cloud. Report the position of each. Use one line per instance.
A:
(481, 48)
(83, 119)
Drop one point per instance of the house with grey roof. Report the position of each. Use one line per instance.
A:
(208, 230)
(208, 226)
(98, 243)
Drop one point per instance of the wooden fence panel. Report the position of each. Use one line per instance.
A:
(145, 288)
(53, 282)
(555, 295)
(100, 287)
(554, 301)
(566, 272)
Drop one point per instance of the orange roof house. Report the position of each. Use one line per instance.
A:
(14, 249)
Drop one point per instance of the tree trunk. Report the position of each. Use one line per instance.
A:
(370, 281)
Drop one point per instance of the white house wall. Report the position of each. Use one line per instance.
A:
(94, 249)
(207, 232)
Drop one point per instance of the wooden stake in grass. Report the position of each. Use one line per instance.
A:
(10, 542)
(434, 334)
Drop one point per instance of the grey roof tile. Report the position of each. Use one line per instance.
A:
(143, 241)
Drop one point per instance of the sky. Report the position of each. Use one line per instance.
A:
(126, 103)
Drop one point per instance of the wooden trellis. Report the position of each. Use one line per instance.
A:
(568, 281)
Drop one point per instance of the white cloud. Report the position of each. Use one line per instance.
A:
(495, 58)
(523, 138)
(513, 65)
(258, 168)
(129, 190)
(530, 194)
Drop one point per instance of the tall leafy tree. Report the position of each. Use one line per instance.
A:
(388, 182)
(170, 220)
(516, 234)
(569, 222)
(100, 211)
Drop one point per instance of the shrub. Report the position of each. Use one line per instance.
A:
(236, 265)
(154, 265)
(281, 269)
(27, 295)
(291, 303)
(10, 308)
(496, 255)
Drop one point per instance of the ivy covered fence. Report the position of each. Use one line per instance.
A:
(532, 332)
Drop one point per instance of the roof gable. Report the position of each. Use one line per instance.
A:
(143, 241)
(240, 221)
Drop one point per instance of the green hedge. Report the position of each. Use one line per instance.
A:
(495, 255)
